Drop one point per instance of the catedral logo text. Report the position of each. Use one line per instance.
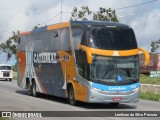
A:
(45, 57)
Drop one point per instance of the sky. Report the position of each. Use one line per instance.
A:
(23, 15)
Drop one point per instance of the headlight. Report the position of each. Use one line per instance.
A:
(135, 90)
(95, 89)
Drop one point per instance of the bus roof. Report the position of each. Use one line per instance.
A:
(99, 23)
(47, 28)
(76, 23)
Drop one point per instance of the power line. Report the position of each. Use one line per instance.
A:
(61, 12)
(50, 19)
(136, 5)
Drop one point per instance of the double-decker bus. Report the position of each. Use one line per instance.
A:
(88, 61)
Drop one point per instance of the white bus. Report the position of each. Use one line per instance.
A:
(6, 72)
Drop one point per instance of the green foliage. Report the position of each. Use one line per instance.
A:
(9, 46)
(150, 96)
(102, 15)
(105, 15)
(36, 27)
(80, 14)
(146, 79)
(155, 45)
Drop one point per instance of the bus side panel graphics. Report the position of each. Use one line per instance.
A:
(69, 74)
(21, 68)
(116, 88)
(49, 72)
(30, 72)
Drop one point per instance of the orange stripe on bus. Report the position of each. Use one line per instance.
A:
(21, 61)
(58, 26)
(89, 51)
(24, 33)
(128, 52)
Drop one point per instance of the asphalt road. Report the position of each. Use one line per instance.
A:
(13, 98)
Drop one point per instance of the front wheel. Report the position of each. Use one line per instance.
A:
(71, 97)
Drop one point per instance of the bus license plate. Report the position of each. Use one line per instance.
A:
(117, 99)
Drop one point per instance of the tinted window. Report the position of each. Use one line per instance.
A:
(77, 37)
(5, 68)
(65, 39)
(112, 38)
(45, 43)
(37, 37)
(22, 44)
(55, 40)
(115, 70)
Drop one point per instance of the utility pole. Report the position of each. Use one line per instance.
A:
(61, 12)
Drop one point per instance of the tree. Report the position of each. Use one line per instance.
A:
(80, 14)
(155, 45)
(102, 15)
(105, 15)
(9, 46)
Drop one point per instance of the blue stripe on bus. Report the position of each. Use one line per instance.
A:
(115, 88)
(41, 29)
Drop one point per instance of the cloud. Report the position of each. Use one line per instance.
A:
(146, 28)
(25, 14)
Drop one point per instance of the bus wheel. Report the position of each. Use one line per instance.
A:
(34, 92)
(71, 97)
(10, 79)
(29, 88)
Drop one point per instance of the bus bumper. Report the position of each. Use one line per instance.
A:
(96, 97)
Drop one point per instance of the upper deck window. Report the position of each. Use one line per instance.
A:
(112, 38)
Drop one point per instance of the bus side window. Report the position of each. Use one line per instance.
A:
(22, 43)
(19, 40)
(83, 67)
(55, 34)
(65, 39)
(37, 41)
(45, 41)
(54, 40)
(84, 39)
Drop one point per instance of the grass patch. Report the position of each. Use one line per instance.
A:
(4, 118)
(146, 79)
(150, 96)
(14, 77)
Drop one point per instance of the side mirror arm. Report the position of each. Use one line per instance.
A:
(146, 55)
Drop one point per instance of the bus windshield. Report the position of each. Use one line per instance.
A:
(112, 38)
(113, 70)
(5, 68)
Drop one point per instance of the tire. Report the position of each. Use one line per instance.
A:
(10, 79)
(34, 92)
(71, 97)
(29, 89)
